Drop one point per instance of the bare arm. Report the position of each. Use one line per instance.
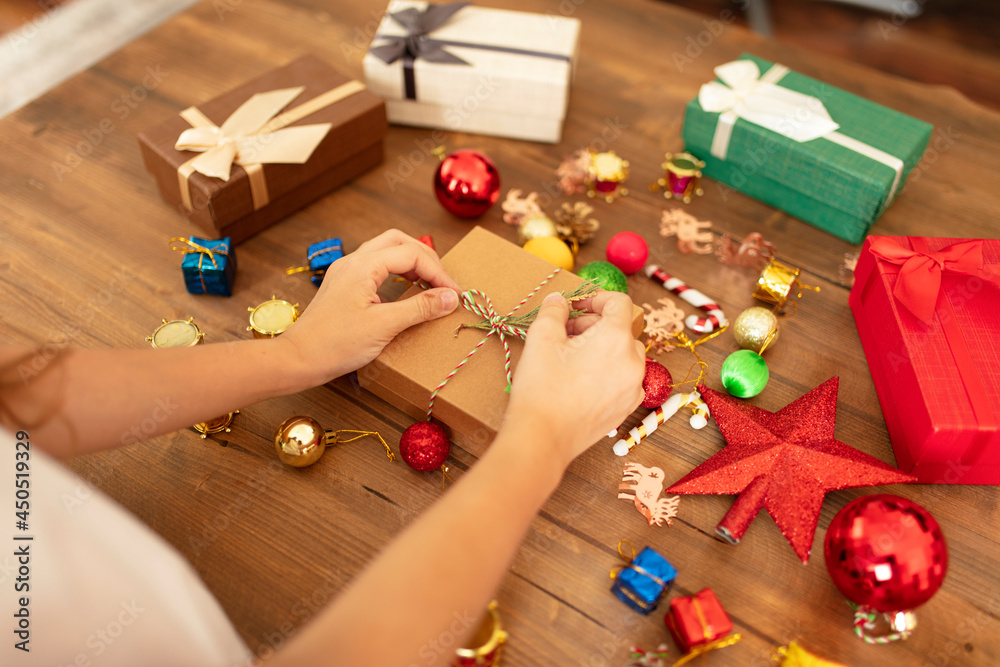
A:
(417, 588)
(95, 399)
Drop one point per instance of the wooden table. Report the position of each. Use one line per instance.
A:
(85, 261)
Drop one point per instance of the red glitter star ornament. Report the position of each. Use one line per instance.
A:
(784, 461)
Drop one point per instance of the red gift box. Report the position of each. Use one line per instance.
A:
(696, 620)
(928, 313)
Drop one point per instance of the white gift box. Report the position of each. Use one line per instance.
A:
(515, 83)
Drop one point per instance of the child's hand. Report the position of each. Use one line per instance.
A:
(347, 325)
(578, 378)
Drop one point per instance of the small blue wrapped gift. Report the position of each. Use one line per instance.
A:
(642, 582)
(209, 266)
(320, 256)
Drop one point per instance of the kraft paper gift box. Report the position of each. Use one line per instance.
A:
(830, 158)
(473, 402)
(697, 620)
(474, 69)
(642, 582)
(323, 130)
(928, 314)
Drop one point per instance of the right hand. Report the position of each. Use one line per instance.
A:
(578, 378)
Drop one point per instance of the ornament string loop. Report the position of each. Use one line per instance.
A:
(771, 335)
(779, 308)
(864, 621)
(683, 340)
(334, 438)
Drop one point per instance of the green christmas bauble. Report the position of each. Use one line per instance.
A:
(744, 373)
(606, 275)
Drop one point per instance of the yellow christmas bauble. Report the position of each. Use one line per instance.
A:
(300, 441)
(552, 250)
(535, 227)
(753, 326)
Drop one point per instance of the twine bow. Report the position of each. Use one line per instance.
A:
(255, 135)
(919, 281)
(188, 247)
(416, 44)
(503, 325)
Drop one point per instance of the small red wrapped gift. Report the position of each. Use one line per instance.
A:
(928, 313)
(698, 624)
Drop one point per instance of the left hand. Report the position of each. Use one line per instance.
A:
(346, 326)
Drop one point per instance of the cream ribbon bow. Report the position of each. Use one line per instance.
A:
(757, 99)
(745, 94)
(251, 136)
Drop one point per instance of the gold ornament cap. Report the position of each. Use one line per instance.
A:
(175, 333)
(272, 317)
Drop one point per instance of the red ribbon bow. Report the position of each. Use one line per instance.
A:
(919, 281)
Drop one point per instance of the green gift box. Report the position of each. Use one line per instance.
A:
(818, 153)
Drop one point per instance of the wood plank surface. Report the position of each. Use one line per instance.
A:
(84, 260)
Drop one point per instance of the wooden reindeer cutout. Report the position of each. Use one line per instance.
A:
(646, 485)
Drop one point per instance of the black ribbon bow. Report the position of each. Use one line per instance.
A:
(416, 44)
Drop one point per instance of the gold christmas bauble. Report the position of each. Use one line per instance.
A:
(753, 326)
(534, 227)
(300, 441)
(552, 250)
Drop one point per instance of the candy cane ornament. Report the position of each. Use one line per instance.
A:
(715, 317)
(699, 419)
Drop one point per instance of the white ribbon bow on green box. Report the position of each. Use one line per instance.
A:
(745, 93)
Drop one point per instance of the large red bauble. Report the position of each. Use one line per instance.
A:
(657, 384)
(628, 251)
(424, 446)
(467, 183)
(886, 552)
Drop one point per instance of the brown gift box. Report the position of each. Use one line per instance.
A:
(225, 208)
(414, 363)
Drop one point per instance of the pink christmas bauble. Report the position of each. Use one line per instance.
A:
(628, 251)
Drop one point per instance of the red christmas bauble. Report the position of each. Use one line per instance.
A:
(628, 251)
(467, 183)
(424, 446)
(886, 553)
(656, 384)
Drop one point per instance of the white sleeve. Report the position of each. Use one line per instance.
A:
(101, 588)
